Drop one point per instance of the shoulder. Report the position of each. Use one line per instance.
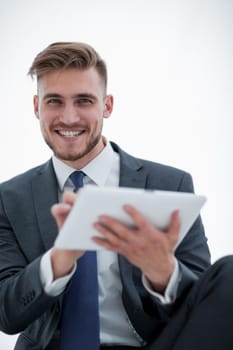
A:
(159, 176)
(24, 179)
(165, 177)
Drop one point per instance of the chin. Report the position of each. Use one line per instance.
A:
(68, 157)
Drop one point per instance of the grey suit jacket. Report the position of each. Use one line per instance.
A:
(27, 230)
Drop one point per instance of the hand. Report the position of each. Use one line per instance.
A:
(145, 246)
(63, 260)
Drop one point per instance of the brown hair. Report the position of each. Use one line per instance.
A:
(64, 55)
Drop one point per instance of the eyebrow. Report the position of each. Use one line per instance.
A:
(51, 95)
(81, 95)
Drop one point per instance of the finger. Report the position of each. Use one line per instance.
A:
(69, 197)
(108, 235)
(60, 212)
(114, 227)
(174, 227)
(139, 219)
(104, 243)
(109, 240)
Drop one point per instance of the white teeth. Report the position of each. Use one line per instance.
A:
(69, 133)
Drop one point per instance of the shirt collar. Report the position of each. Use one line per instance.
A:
(97, 170)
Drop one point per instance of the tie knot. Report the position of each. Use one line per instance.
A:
(77, 179)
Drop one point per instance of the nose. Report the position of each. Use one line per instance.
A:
(69, 114)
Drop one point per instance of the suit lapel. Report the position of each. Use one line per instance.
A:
(44, 191)
(130, 177)
(132, 172)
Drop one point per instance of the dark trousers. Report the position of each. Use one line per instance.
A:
(205, 319)
(123, 347)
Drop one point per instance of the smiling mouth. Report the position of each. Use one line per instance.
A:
(69, 133)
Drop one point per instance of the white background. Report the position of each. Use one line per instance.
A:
(170, 70)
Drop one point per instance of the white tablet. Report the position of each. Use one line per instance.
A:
(156, 206)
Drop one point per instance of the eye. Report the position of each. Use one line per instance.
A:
(84, 101)
(54, 101)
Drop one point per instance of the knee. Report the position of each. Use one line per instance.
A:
(215, 284)
(226, 263)
(223, 269)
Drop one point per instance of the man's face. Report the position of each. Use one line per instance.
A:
(71, 105)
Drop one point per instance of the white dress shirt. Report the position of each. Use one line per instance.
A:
(115, 326)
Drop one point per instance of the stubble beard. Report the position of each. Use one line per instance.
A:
(74, 155)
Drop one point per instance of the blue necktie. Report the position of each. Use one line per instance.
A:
(80, 311)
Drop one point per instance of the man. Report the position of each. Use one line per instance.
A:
(143, 280)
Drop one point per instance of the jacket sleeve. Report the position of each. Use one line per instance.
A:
(147, 315)
(23, 299)
(192, 253)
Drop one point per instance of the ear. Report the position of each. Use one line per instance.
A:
(36, 106)
(108, 106)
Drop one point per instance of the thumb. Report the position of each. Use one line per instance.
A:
(174, 227)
